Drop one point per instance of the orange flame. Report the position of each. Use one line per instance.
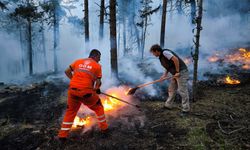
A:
(213, 58)
(110, 105)
(80, 121)
(242, 50)
(241, 56)
(228, 80)
(246, 66)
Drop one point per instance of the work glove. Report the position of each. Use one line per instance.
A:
(98, 91)
(162, 77)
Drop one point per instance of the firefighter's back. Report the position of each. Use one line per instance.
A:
(86, 71)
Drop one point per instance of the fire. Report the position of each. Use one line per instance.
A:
(242, 50)
(213, 58)
(246, 66)
(228, 80)
(240, 57)
(81, 121)
(110, 105)
(246, 55)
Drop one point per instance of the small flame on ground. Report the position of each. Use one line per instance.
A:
(110, 105)
(246, 67)
(213, 58)
(242, 50)
(229, 80)
(241, 56)
(80, 121)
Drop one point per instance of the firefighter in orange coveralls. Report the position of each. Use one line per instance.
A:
(85, 81)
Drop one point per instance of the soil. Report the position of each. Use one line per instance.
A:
(30, 119)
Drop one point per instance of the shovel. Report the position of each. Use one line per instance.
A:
(133, 90)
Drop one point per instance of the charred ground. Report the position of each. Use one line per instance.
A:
(30, 117)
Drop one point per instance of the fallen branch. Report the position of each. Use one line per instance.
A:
(156, 125)
(231, 117)
(228, 133)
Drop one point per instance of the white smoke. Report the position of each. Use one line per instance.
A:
(221, 32)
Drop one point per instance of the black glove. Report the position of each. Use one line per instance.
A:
(98, 91)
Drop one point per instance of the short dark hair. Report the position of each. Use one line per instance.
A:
(155, 47)
(94, 53)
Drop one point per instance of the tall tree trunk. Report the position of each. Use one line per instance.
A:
(113, 44)
(118, 38)
(56, 36)
(23, 51)
(30, 51)
(124, 36)
(44, 48)
(163, 22)
(44, 45)
(123, 9)
(197, 44)
(135, 28)
(102, 9)
(144, 31)
(138, 40)
(86, 20)
(193, 10)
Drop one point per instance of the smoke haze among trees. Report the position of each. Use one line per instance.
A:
(41, 36)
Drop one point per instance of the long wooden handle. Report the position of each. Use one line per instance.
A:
(155, 81)
(120, 100)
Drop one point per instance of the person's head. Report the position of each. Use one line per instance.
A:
(95, 54)
(156, 50)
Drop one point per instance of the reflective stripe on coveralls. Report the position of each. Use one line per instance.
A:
(88, 72)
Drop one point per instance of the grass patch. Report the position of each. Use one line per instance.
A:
(198, 138)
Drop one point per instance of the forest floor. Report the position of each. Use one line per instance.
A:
(30, 118)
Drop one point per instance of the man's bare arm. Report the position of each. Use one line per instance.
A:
(68, 73)
(176, 63)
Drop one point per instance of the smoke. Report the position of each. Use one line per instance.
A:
(10, 64)
(117, 112)
(220, 30)
(234, 35)
(225, 26)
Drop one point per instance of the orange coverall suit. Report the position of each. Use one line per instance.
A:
(85, 72)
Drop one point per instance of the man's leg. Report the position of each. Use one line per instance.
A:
(171, 93)
(72, 107)
(99, 110)
(183, 90)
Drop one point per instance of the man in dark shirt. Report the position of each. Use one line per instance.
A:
(176, 66)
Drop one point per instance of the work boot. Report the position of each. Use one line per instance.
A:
(184, 113)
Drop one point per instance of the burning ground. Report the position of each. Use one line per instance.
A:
(31, 115)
